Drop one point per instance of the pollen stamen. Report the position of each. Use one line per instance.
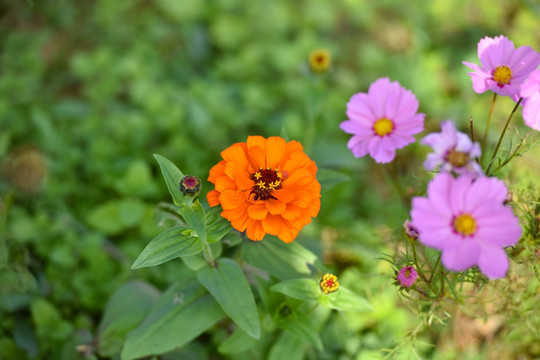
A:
(383, 127)
(464, 224)
(328, 283)
(266, 181)
(502, 75)
(457, 158)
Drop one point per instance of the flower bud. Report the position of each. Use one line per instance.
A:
(320, 60)
(407, 276)
(410, 230)
(328, 283)
(190, 186)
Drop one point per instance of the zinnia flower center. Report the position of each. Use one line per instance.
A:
(457, 158)
(464, 224)
(266, 181)
(329, 283)
(502, 75)
(383, 126)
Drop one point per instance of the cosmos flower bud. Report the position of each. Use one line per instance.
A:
(410, 230)
(190, 186)
(407, 276)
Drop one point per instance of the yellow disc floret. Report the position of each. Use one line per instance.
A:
(502, 75)
(465, 224)
(457, 158)
(328, 283)
(320, 60)
(266, 181)
(383, 126)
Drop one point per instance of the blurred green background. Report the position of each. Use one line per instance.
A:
(89, 90)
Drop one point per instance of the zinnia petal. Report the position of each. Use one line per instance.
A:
(266, 186)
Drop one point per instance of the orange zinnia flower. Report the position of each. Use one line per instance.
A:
(266, 186)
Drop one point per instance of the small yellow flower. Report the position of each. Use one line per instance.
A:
(320, 60)
(329, 283)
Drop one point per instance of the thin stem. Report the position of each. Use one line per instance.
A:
(391, 174)
(415, 257)
(208, 256)
(488, 123)
(502, 135)
(435, 267)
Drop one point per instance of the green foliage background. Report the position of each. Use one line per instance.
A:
(89, 90)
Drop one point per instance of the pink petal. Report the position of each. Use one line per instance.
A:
(377, 95)
(358, 145)
(484, 190)
(501, 228)
(479, 83)
(493, 261)
(355, 127)
(461, 257)
(523, 61)
(531, 112)
(379, 152)
(438, 193)
(457, 193)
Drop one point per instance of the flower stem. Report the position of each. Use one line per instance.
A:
(435, 267)
(502, 135)
(415, 257)
(391, 174)
(208, 256)
(488, 123)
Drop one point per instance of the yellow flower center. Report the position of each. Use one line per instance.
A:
(465, 224)
(457, 158)
(502, 75)
(319, 60)
(266, 181)
(408, 273)
(383, 126)
(329, 283)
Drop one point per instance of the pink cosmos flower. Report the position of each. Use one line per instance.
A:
(452, 151)
(530, 92)
(382, 120)
(504, 68)
(407, 276)
(467, 220)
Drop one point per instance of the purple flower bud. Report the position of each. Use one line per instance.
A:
(407, 276)
(190, 185)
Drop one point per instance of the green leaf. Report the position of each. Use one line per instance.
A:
(195, 263)
(172, 176)
(287, 347)
(216, 225)
(303, 289)
(125, 309)
(238, 342)
(228, 285)
(115, 216)
(194, 216)
(330, 178)
(48, 320)
(181, 314)
(170, 244)
(302, 327)
(344, 299)
(284, 261)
